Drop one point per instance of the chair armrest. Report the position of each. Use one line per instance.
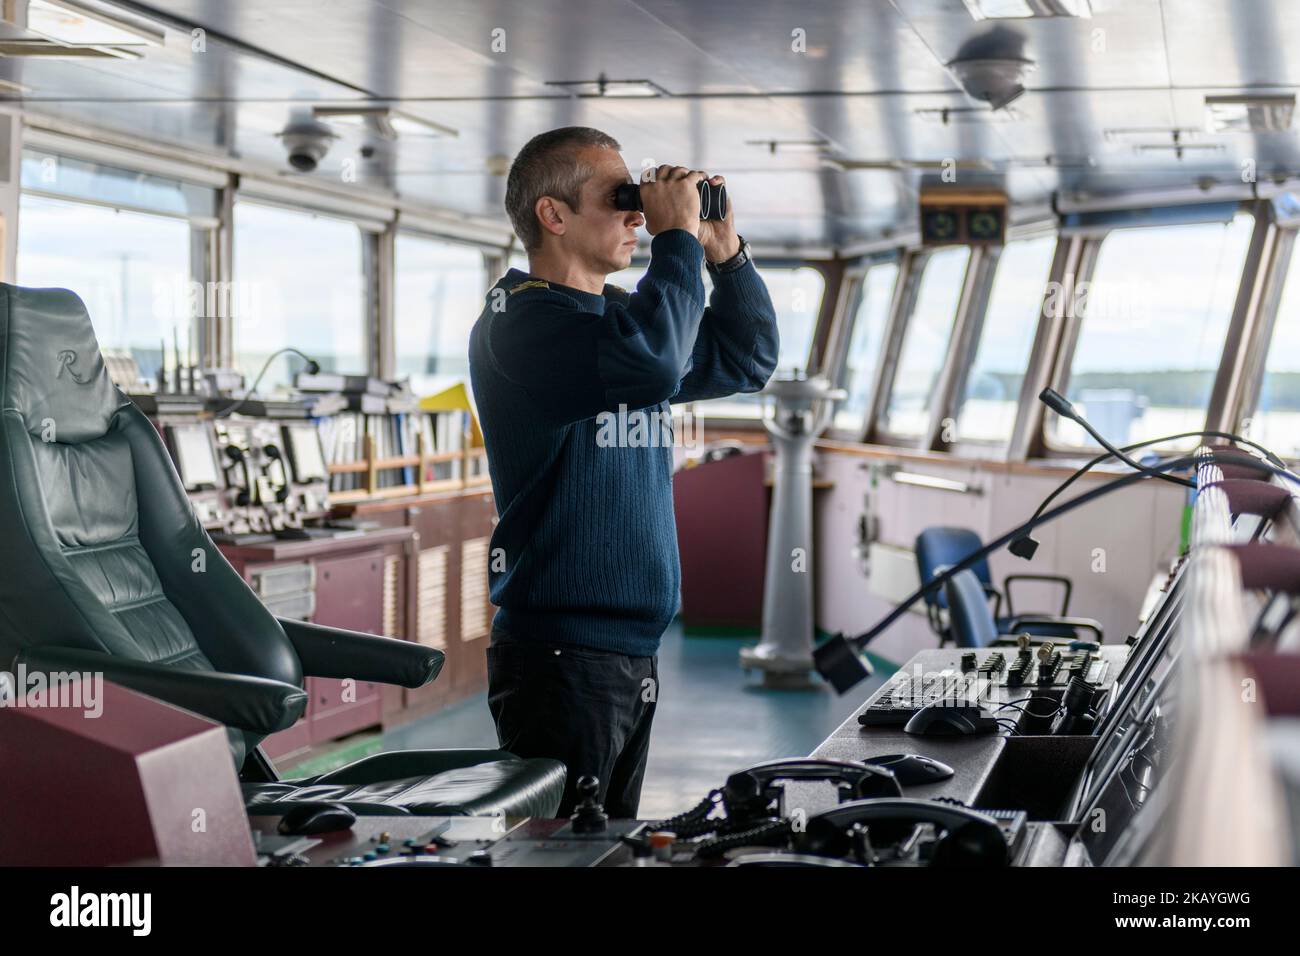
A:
(256, 704)
(1047, 578)
(343, 654)
(1086, 623)
(399, 764)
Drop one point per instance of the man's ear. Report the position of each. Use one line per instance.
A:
(551, 214)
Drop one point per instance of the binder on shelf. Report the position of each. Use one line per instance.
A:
(410, 446)
(338, 382)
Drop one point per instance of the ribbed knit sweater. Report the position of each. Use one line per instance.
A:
(585, 551)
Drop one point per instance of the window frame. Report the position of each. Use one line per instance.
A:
(372, 255)
(1218, 405)
(793, 264)
(824, 310)
(203, 229)
(1237, 384)
(843, 324)
(387, 344)
(906, 292)
(985, 448)
(1243, 383)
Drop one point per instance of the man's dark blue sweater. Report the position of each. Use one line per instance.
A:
(586, 535)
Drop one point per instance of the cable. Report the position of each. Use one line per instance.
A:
(1026, 546)
(313, 367)
(1026, 700)
(1022, 706)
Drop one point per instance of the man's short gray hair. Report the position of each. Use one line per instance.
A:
(548, 165)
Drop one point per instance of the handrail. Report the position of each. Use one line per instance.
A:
(1221, 803)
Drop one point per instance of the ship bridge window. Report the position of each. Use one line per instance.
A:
(121, 240)
(1153, 320)
(299, 280)
(925, 342)
(132, 270)
(992, 391)
(1275, 423)
(797, 298)
(438, 294)
(875, 295)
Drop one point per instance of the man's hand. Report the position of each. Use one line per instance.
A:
(718, 236)
(672, 200)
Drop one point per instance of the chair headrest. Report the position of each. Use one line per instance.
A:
(52, 372)
(941, 547)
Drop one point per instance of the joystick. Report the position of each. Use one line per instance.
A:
(589, 816)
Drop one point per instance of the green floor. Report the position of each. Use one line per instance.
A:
(712, 719)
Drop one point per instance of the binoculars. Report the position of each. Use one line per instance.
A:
(713, 199)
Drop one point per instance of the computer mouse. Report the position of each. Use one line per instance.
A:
(948, 719)
(312, 818)
(913, 769)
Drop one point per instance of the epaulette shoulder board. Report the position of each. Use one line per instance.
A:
(531, 284)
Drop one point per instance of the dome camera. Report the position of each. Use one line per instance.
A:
(307, 142)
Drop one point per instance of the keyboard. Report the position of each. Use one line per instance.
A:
(905, 694)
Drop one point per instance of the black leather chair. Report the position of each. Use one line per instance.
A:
(107, 569)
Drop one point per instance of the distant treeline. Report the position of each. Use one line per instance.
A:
(1170, 388)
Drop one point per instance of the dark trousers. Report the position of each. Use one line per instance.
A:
(589, 709)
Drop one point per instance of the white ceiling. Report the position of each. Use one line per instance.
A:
(868, 66)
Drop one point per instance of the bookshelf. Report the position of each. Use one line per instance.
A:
(371, 466)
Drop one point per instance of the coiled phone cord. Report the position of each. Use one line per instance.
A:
(693, 822)
(767, 833)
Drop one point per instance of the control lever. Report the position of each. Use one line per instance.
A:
(1077, 715)
(589, 816)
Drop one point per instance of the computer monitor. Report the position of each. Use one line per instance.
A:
(1152, 656)
(1115, 822)
(305, 453)
(196, 456)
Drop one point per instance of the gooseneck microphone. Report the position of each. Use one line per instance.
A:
(1057, 403)
(1025, 546)
(313, 367)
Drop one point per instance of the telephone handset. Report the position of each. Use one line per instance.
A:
(969, 838)
(752, 793)
(751, 802)
(276, 457)
(246, 489)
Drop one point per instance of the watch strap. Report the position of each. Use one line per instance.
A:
(737, 261)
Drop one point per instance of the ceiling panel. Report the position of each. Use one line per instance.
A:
(1232, 43)
(854, 73)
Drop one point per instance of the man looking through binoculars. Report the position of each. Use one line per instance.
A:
(588, 577)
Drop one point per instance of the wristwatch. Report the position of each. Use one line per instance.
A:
(735, 262)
